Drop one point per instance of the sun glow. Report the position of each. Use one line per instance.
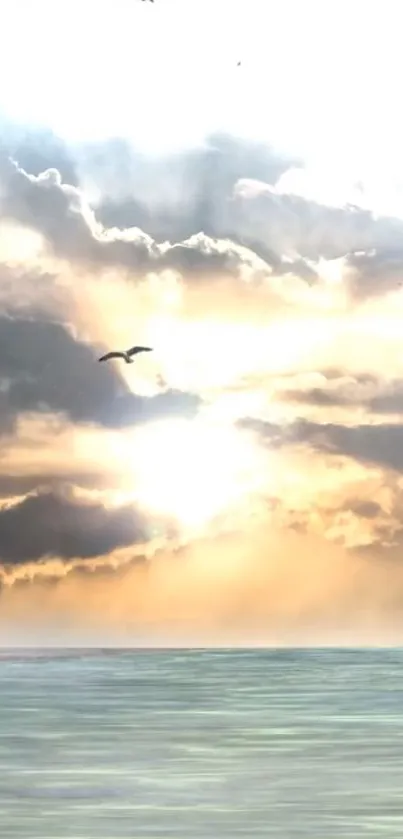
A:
(194, 470)
(19, 244)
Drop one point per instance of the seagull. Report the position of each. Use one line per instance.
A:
(126, 354)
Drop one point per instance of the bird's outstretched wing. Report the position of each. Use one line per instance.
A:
(135, 350)
(111, 355)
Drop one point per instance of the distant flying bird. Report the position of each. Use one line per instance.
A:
(126, 354)
(239, 63)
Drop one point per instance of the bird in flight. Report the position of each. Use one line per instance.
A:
(126, 354)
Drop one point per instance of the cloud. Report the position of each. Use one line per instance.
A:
(37, 149)
(369, 443)
(178, 195)
(44, 369)
(207, 211)
(293, 225)
(202, 256)
(382, 444)
(50, 524)
(377, 396)
(226, 590)
(62, 215)
(46, 452)
(20, 485)
(232, 189)
(336, 388)
(377, 271)
(365, 509)
(389, 401)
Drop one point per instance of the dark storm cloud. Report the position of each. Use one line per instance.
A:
(58, 525)
(42, 368)
(371, 444)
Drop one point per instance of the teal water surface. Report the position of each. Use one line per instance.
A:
(201, 744)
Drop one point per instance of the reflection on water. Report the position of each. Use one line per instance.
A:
(201, 744)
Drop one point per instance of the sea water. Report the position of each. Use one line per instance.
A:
(201, 744)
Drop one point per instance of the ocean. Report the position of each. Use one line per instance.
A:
(104, 744)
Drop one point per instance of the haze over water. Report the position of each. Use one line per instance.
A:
(201, 744)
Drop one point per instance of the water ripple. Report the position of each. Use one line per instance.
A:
(201, 744)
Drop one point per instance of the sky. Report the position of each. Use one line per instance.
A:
(242, 483)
